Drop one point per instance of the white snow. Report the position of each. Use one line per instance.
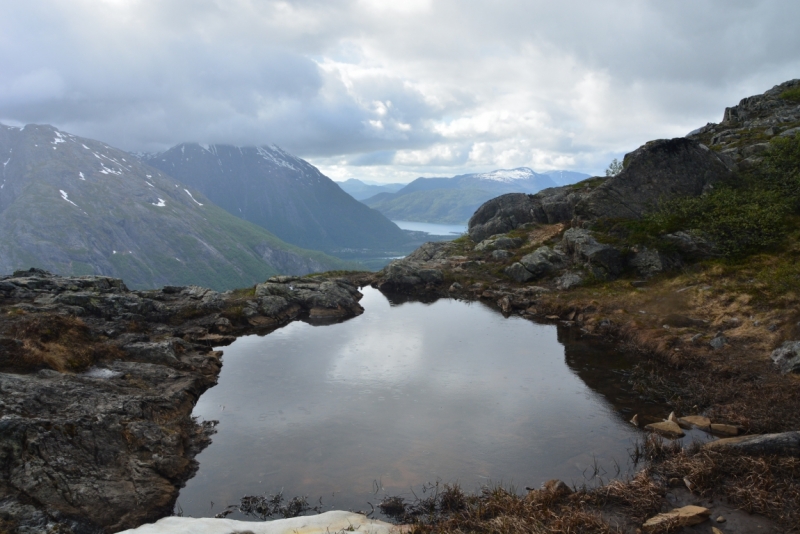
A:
(86, 147)
(160, 204)
(106, 170)
(268, 155)
(58, 138)
(190, 196)
(149, 175)
(507, 175)
(148, 183)
(81, 176)
(66, 197)
(204, 147)
(114, 251)
(6, 162)
(327, 523)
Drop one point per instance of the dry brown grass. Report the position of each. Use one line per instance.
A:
(57, 342)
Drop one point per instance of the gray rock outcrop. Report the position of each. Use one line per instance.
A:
(787, 357)
(658, 171)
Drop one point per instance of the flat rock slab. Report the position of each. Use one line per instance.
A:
(697, 421)
(334, 521)
(667, 429)
(783, 444)
(685, 516)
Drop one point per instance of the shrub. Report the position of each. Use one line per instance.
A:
(791, 94)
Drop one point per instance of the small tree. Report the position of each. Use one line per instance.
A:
(614, 168)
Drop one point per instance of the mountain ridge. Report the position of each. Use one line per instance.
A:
(79, 206)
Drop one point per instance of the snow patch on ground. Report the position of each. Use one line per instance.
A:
(66, 197)
(58, 139)
(190, 196)
(160, 204)
(86, 147)
(100, 372)
(81, 176)
(327, 523)
(107, 170)
(148, 183)
(269, 155)
(507, 175)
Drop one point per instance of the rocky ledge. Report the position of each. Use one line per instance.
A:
(98, 385)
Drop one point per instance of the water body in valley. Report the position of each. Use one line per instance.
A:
(410, 393)
(452, 230)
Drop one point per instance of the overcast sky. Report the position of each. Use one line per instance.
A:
(389, 90)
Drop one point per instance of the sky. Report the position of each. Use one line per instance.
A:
(390, 90)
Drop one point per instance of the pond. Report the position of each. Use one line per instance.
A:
(406, 394)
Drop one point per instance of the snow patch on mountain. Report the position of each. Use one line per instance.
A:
(190, 196)
(160, 203)
(65, 196)
(507, 175)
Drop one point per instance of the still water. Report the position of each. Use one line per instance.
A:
(453, 230)
(405, 394)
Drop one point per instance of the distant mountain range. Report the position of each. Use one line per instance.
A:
(454, 200)
(284, 194)
(360, 190)
(77, 206)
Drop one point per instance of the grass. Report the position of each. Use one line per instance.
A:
(791, 94)
(48, 341)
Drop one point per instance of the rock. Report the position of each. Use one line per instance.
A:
(455, 286)
(648, 263)
(696, 421)
(328, 522)
(723, 430)
(787, 357)
(500, 215)
(718, 342)
(658, 171)
(517, 272)
(679, 517)
(692, 244)
(584, 247)
(715, 530)
(635, 420)
(667, 429)
(543, 261)
(569, 280)
(781, 444)
(497, 242)
(672, 418)
(791, 132)
(720, 519)
(501, 255)
(162, 352)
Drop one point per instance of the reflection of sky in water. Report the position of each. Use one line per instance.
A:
(399, 396)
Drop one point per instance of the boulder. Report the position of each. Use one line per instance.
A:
(584, 247)
(660, 170)
(517, 272)
(500, 215)
(542, 261)
(648, 263)
(781, 444)
(667, 429)
(787, 357)
(679, 517)
(569, 280)
(692, 244)
(723, 430)
(696, 421)
(501, 255)
(498, 242)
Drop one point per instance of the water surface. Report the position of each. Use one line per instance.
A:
(453, 230)
(407, 394)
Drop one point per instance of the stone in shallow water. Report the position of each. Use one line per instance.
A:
(666, 428)
(683, 517)
(334, 521)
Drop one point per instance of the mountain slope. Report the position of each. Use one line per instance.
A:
(77, 206)
(360, 190)
(282, 193)
(454, 200)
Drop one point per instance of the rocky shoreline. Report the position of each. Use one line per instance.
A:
(98, 385)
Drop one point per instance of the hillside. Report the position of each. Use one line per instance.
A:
(361, 190)
(77, 206)
(454, 200)
(283, 194)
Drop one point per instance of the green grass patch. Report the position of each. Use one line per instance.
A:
(791, 94)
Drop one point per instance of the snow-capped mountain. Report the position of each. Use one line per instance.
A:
(285, 194)
(78, 206)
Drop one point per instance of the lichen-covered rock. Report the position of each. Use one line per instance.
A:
(517, 272)
(585, 248)
(498, 242)
(648, 263)
(787, 357)
(543, 261)
(568, 280)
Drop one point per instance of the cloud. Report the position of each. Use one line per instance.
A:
(392, 90)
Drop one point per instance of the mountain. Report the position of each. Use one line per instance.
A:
(282, 193)
(567, 177)
(360, 190)
(78, 206)
(454, 200)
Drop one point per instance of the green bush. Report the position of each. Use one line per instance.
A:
(791, 94)
(741, 217)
